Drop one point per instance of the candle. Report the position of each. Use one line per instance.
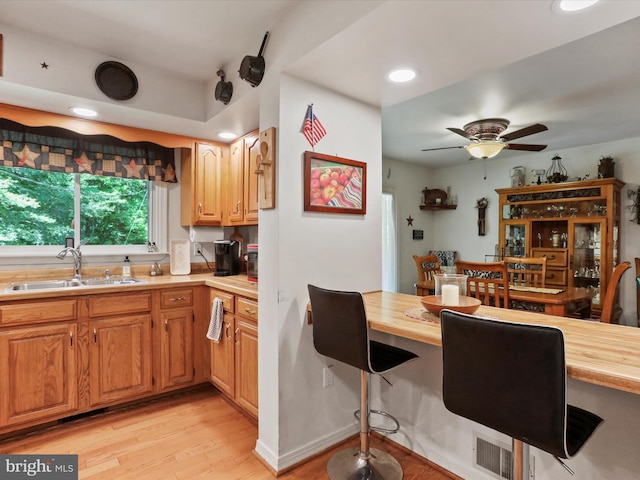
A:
(450, 294)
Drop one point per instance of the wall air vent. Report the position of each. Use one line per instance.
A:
(494, 458)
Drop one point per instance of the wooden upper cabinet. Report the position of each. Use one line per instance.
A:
(235, 183)
(251, 158)
(241, 181)
(201, 200)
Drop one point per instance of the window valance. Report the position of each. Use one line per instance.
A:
(57, 149)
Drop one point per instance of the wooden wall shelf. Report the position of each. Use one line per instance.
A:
(438, 207)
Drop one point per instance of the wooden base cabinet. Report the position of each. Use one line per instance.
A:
(246, 364)
(120, 358)
(39, 378)
(234, 360)
(120, 365)
(176, 338)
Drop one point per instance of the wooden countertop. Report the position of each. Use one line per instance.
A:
(598, 353)
(237, 284)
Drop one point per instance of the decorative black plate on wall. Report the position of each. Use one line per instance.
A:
(116, 81)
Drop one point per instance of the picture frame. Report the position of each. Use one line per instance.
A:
(334, 184)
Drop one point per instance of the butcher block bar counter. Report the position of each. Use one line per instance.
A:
(598, 353)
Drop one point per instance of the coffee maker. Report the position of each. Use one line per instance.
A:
(227, 257)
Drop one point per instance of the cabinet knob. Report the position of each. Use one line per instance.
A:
(95, 336)
(166, 326)
(71, 339)
(249, 311)
(177, 299)
(199, 207)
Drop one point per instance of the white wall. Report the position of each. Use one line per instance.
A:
(298, 416)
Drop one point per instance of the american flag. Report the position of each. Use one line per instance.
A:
(312, 129)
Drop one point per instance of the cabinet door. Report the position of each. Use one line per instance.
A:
(588, 264)
(208, 180)
(246, 347)
(39, 377)
(176, 347)
(222, 358)
(120, 358)
(251, 179)
(234, 183)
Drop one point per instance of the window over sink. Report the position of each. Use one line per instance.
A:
(109, 214)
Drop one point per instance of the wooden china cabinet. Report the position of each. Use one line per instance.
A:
(576, 225)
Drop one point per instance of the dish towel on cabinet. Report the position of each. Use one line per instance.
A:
(215, 324)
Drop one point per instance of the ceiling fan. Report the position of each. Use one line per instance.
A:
(487, 140)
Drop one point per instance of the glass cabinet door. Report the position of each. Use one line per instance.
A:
(515, 240)
(586, 256)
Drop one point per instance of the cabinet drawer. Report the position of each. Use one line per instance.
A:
(176, 298)
(556, 277)
(246, 307)
(555, 256)
(115, 304)
(38, 312)
(228, 300)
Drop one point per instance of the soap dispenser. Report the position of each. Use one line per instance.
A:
(126, 268)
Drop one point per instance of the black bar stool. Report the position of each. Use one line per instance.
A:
(340, 332)
(511, 377)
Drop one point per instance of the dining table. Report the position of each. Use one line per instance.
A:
(563, 302)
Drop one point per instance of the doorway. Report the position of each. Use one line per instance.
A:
(389, 243)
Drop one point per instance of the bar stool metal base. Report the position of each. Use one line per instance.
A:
(348, 465)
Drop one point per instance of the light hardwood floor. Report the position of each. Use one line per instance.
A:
(185, 436)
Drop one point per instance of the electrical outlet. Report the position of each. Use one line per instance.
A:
(197, 248)
(327, 376)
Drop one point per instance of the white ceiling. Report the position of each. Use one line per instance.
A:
(578, 74)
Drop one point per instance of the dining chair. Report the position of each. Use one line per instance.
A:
(427, 266)
(526, 271)
(486, 281)
(447, 258)
(610, 301)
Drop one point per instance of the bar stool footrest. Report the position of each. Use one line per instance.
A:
(387, 431)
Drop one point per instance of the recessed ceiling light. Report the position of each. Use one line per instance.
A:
(401, 75)
(227, 135)
(561, 6)
(84, 112)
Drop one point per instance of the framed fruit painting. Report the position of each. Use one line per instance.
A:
(334, 184)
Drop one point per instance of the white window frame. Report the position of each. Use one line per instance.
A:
(45, 255)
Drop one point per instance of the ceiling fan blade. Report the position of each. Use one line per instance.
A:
(521, 146)
(460, 132)
(523, 132)
(441, 148)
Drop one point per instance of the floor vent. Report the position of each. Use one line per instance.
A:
(493, 458)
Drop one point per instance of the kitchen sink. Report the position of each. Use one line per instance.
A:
(73, 283)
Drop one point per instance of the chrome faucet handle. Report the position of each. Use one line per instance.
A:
(107, 273)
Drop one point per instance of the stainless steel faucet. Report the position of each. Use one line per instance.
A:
(77, 260)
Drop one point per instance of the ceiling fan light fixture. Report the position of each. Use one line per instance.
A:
(486, 149)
